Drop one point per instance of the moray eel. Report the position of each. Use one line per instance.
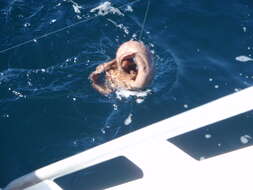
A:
(130, 70)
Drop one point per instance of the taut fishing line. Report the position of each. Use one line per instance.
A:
(145, 19)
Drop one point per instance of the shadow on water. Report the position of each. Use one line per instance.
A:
(48, 109)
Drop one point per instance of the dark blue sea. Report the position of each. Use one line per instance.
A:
(201, 50)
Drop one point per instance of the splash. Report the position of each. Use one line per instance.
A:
(106, 8)
(140, 95)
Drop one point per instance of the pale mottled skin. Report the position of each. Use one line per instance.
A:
(116, 74)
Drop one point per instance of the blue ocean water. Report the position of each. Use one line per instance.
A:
(48, 109)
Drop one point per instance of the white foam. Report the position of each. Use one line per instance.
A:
(106, 8)
(115, 107)
(18, 94)
(27, 24)
(121, 26)
(245, 139)
(102, 131)
(29, 83)
(134, 36)
(52, 21)
(129, 8)
(76, 8)
(208, 136)
(139, 100)
(128, 120)
(243, 58)
(186, 106)
(128, 93)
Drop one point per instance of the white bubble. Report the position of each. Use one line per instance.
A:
(102, 131)
(129, 8)
(29, 83)
(74, 99)
(210, 79)
(185, 106)
(27, 24)
(128, 120)
(243, 58)
(52, 21)
(6, 115)
(244, 29)
(216, 86)
(18, 94)
(139, 100)
(245, 139)
(43, 70)
(115, 107)
(208, 136)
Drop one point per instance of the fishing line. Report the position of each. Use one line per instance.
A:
(145, 19)
(53, 32)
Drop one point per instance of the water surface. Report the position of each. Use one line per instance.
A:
(48, 109)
